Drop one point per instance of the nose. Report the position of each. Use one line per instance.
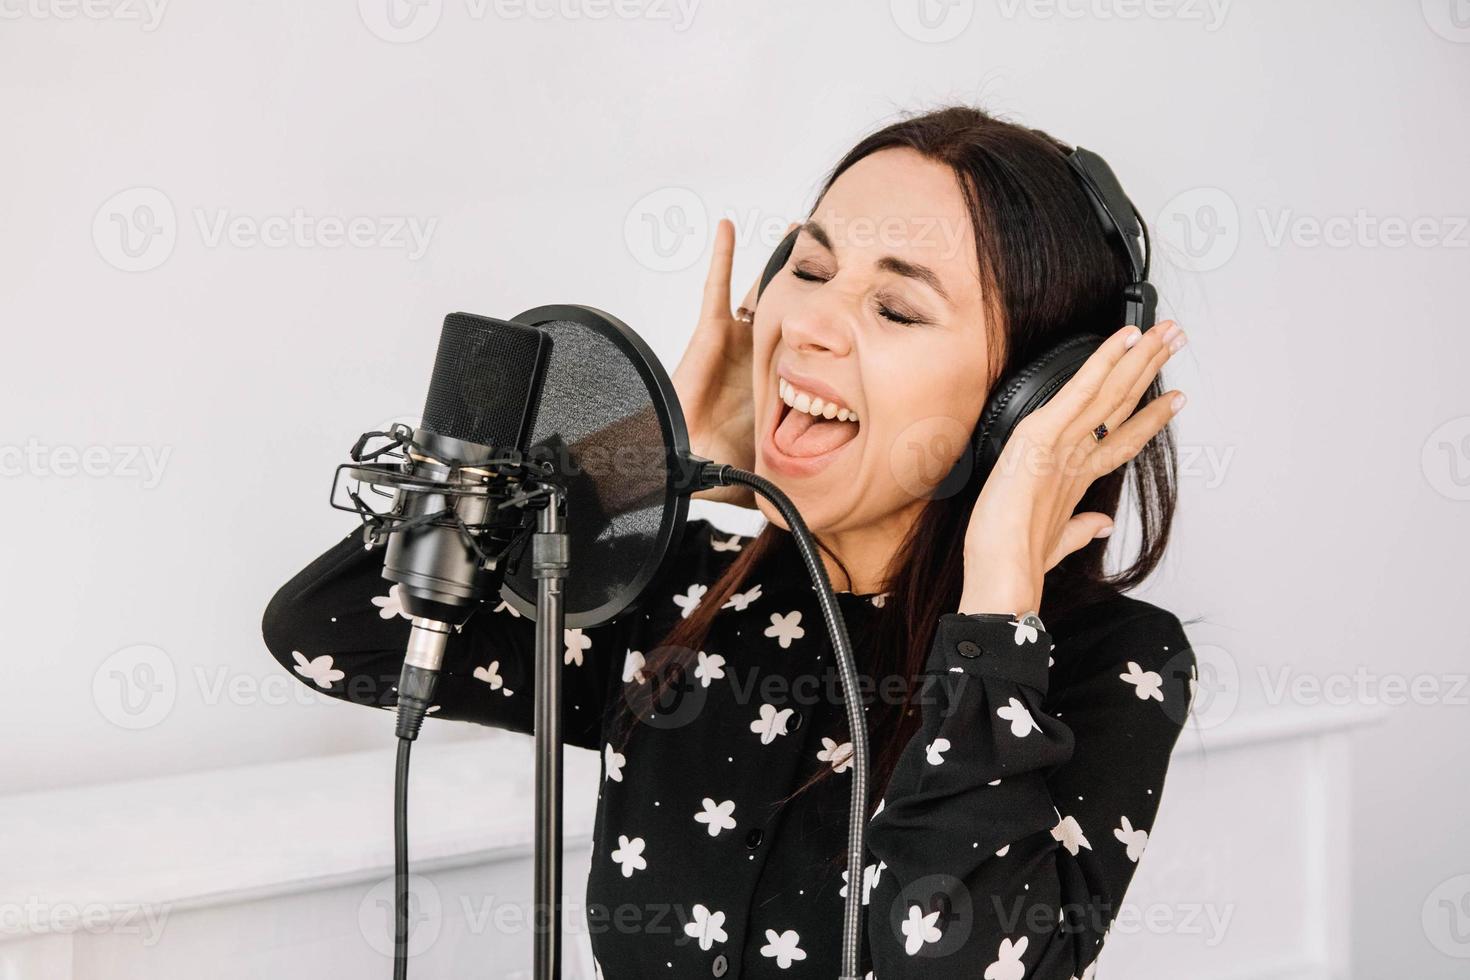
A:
(816, 326)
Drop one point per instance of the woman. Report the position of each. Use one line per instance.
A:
(1017, 767)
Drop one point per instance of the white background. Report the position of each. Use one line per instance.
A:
(1324, 517)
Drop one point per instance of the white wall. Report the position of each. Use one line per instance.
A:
(1322, 530)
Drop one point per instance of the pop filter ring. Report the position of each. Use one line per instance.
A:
(665, 403)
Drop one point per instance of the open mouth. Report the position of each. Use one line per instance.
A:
(808, 426)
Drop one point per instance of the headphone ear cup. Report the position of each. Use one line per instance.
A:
(777, 261)
(1024, 392)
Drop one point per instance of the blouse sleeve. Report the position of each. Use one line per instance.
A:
(338, 626)
(1009, 831)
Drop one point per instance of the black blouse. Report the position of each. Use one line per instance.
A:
(1003, 844)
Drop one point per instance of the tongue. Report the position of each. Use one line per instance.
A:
(801, 434)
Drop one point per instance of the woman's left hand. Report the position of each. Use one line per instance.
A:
(1023, 522)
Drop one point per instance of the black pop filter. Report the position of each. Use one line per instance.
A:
(610, 424)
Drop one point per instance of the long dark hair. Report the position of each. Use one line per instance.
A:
(1049, 271)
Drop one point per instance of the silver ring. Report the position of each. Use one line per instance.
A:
(743, 315)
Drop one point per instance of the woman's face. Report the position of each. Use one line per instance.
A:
(878, 312)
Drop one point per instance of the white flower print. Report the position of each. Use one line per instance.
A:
(731, 545)
(391, 605)
(706, 926)
(920, 929)
(870, 878)
(633, 667)
(771, 723)
(1022, 724)
(879, 599)
(629, 854)
(577, 642)
(1134, 840)
(1003, 851)
(1008, 965)
(614, 761)
(1025, 632)
(491, 675)
(711, 667)
(840, 756)
(786, 628)
(690, 598)
(1147, 684)
(740, 601)
(716, 816)
(506, 607)
(1069, 832)
(783, 947)
(933, 752)
(318, 670)
(878, 810)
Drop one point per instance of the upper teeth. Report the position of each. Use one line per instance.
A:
(804, 401)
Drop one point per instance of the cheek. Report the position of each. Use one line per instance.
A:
(926, 425)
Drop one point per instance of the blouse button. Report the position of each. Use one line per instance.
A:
(968, 648)
(753, 839)
(719, 966)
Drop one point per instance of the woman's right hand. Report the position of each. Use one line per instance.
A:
(713, 378)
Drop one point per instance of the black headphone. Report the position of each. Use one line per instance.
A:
(1035, 383)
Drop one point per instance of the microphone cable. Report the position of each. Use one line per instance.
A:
(720, 474)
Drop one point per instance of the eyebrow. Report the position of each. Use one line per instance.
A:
(888, 263)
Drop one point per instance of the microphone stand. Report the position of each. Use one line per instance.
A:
(549, 560)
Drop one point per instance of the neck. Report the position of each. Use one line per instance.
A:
(867, 551)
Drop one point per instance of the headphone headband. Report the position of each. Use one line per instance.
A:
(1121, 221)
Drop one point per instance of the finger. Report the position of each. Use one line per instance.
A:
(1077, 534)
(1082, 389)
(1126, 373)
(716, 304)
(1124, 409)
(1129, 439)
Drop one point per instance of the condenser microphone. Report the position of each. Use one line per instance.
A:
(477, 421)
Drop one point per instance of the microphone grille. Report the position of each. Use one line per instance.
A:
(487, 381)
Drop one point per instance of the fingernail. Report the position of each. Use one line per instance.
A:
(1104, 532)
(1178, 343)
(1132, 338)
(1170, 333)
(1178, 402)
